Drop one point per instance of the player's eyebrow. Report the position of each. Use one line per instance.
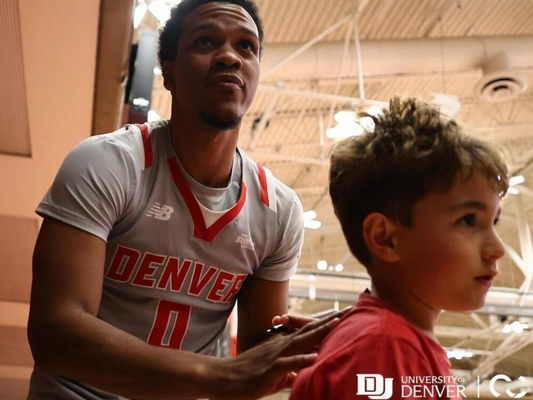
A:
(211, 25)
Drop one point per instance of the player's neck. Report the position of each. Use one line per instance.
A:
(405, 304)
(205, 153)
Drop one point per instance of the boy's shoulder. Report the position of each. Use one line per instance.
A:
(372, 329)
(369, 339)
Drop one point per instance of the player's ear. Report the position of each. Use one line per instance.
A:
(168, 75)
(380, 237)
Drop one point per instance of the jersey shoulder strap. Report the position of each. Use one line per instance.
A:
(144, 145)
(268, 187)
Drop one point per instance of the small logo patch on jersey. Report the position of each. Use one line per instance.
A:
(161, 212)
(245, 241)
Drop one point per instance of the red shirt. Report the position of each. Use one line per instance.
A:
(371, 339)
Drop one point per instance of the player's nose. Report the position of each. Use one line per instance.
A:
(227, 57)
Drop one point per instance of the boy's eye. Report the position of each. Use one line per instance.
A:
(496, 221)
(467, 220)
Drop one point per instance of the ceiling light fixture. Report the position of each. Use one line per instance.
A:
(516, 180)
(515, 327)
(459, 354)
(309, 220)
(322, 265)
(348, 124)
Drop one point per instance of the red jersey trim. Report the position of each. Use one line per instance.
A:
(263, 184)
(147, 143)
(200, 229)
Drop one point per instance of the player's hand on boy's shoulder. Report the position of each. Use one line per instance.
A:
(295, 322)
(271, 366)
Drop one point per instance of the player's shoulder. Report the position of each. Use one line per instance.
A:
(130, 143)
(108, 144)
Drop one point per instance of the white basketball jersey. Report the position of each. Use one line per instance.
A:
(174, 267)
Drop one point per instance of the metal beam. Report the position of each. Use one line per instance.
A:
(352, 101)
(509, 346)
(306, 46)
(268, 113)
(287, 157)
(526, 247)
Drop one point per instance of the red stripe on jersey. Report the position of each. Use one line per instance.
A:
(200, 229)
(263, 184)
(147, 144)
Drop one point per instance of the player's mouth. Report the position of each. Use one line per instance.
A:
(228, 81)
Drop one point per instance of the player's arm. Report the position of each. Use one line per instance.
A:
(259, 301)
(265, 294)
(67, 339)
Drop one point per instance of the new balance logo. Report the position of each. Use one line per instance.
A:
(162, 212)
(245, 241)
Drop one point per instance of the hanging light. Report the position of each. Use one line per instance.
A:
(322, 265)
(516, 180)
(309, 220)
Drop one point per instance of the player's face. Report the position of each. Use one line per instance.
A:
(450, 251)
(216, 70)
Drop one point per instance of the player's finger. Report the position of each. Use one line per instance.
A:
(276, 320)
(319, 322)
(299, 343)
(295, 321)
(289, 380)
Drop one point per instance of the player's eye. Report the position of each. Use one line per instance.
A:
(247, 45)
(496, 221)
(468, 220)
(204, 41)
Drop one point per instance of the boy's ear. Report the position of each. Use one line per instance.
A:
(380, 237)
(168, 75)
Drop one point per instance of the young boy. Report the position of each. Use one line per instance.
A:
(418, 202)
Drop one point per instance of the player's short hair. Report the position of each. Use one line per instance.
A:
(169, 35)
(412, 151)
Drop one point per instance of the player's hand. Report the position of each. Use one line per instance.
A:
(295, 322)
(272, 365)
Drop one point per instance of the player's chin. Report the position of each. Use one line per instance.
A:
(222, 119)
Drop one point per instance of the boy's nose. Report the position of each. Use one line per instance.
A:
(494, 248)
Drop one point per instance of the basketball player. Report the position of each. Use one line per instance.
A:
(152, 233)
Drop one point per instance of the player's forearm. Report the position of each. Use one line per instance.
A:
(87, 349)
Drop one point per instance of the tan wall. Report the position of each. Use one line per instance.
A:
(59, 40)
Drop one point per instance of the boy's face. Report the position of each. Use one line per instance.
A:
(448, 255)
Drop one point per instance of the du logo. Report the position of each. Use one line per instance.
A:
(507, 391)
(374, 386)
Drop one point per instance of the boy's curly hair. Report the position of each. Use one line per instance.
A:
(412, 151)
